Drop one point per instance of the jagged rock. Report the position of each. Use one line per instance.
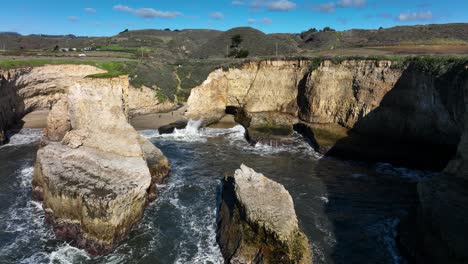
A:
(168, 129)
(39, 88)
(257, 222)
(263, 86)
(96, 181)
(58, 121)
(157, 162)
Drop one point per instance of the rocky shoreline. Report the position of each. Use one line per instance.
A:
(94, 174)
(257, 222)
(411, 115)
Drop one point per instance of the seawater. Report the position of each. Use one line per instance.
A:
(349, 210)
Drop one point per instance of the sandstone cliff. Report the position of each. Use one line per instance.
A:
(92, 170)
(31, 89)
(410, 115)
(265, 86)
(407, 110)
(257, 222)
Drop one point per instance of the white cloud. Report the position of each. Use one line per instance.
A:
(281, 5)
(238, 3)
(147, 13)
(278, 5)
(415, 16)
(332, 6)
(351, 3)
(326, 8)
(73, 18)
(267, 21)
(217, 15)
(90, 10)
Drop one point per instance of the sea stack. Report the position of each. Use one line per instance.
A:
(257, 222)
(92, 170)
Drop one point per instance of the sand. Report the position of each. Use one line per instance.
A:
(38, 119)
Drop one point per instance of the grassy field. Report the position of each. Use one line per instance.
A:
(172, 80)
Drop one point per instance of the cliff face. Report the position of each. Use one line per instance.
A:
(345, 93)
(30, 89)
(92, 170)
(366, 110)
(26, 90)
(266, 86)
(369, 98)
(438, 230)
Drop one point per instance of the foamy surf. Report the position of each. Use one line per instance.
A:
(23, 137)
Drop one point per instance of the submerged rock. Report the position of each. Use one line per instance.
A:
(94, 173)
(257, 222)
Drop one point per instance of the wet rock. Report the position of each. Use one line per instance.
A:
(257, 222)
(96, 181)
(168, 129)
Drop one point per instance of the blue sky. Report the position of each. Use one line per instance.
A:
(108, 17)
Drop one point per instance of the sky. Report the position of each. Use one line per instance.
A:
(108, 17)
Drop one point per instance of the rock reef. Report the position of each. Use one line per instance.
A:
(94, 173)
(257, 222)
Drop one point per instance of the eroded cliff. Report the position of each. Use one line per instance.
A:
(31, 89)
(366, 109)
(93, 169)
(410, 113)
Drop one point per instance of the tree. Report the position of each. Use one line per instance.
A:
(325, 29)
(236, 40)
(235, 48)
(56, 48)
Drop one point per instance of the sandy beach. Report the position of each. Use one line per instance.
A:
(38, 119)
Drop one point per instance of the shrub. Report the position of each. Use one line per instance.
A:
(242, 54)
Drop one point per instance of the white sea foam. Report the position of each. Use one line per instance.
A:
(387, 234)
(24, 136)
(409, 174)
(324, 199)
(67, 254)
(149, 133)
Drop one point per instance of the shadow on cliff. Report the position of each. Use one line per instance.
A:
(12, 110)
(417, 125)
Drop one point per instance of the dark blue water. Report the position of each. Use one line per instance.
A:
(349, 211)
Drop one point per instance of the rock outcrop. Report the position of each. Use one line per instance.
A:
(257, 222)
(394, 113)
(92, 170)
(144, 100)
(436, 232)
(409, 114)
(30, 89)
(265, 86)
(39, 88)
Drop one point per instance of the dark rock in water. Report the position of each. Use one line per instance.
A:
(3, 138)
(436, 232)
(257, 222)
(270, 128)
(168, 129)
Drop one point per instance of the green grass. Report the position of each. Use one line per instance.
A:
(113, 69)
(436, 41)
